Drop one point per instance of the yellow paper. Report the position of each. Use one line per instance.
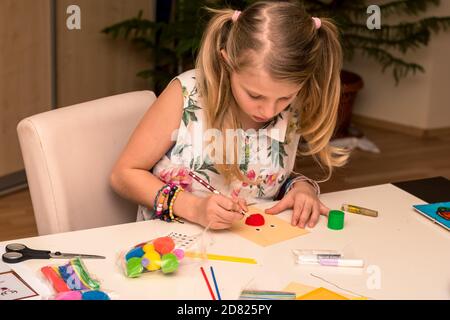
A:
(298, 288)
(273, 231)
(301, 290)
(322, 294)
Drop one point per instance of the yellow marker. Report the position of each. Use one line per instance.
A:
(359, 210)
(219, 257)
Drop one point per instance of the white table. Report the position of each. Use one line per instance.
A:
(405, 253)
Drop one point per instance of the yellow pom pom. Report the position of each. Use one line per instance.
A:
(154, 259)
(148, 247)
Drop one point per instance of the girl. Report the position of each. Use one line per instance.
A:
(270, 74)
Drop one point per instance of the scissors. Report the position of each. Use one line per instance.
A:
(17, 252)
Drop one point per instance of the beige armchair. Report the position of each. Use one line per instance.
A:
(69, 154)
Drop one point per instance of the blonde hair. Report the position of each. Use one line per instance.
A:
(292, 50)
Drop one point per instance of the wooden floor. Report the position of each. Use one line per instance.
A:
(402, 158)
(16, 216)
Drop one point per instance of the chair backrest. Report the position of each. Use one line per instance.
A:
(69, 154)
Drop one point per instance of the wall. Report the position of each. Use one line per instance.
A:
(421, 101)
(88, 64)
(24, 72)
(91, 64)
(439, 102)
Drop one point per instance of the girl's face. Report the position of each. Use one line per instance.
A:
(260, 97)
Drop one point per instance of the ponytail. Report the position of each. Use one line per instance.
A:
(213, 84)
(322, 94)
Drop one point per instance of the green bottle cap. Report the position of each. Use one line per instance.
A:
(336, 220)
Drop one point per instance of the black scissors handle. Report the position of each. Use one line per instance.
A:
(17, 252)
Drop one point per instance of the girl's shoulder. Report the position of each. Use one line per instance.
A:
(187, 79)
(191, 101)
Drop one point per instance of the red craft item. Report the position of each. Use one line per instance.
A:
(58, 283)
(164, 245)
(255, 220)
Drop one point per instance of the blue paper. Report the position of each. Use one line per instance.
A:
(429, 210)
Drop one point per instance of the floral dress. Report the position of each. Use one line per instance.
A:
(268, 159)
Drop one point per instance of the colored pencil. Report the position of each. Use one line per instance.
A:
(210, 188)
(207, 283)
(215, 283)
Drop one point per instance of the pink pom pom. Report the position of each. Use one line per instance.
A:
(69, 295)
(179, 253)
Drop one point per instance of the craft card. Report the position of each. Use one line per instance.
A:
(437, 212)
(274, 229)
(13, 287)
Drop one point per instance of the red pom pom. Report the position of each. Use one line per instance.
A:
(164, 245)
(255, 220)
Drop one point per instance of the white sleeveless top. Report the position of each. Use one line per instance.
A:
(269, 159)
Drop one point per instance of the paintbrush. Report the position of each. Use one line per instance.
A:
(211, 188)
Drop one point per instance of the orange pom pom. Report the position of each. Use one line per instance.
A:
(164, 245)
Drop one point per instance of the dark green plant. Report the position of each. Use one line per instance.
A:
(379, 44)
(172, 46)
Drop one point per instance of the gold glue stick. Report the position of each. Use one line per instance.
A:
(359, 210)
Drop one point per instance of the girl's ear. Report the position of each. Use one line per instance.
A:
(224, 55)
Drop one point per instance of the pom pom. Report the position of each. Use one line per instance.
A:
(164, 245)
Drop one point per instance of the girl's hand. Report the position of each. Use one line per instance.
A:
(306, 206)
(219, 212)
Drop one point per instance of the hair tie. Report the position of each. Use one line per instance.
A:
(317, 22)
(235, 15)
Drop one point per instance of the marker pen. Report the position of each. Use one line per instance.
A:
(359, 210)
(355, 263)
(317, 253)
(333, 262)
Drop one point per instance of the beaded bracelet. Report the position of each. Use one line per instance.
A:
(165, 215)
(172, 201)
(170, 192)
(168, 214)
(162, 197)
(155, 202)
